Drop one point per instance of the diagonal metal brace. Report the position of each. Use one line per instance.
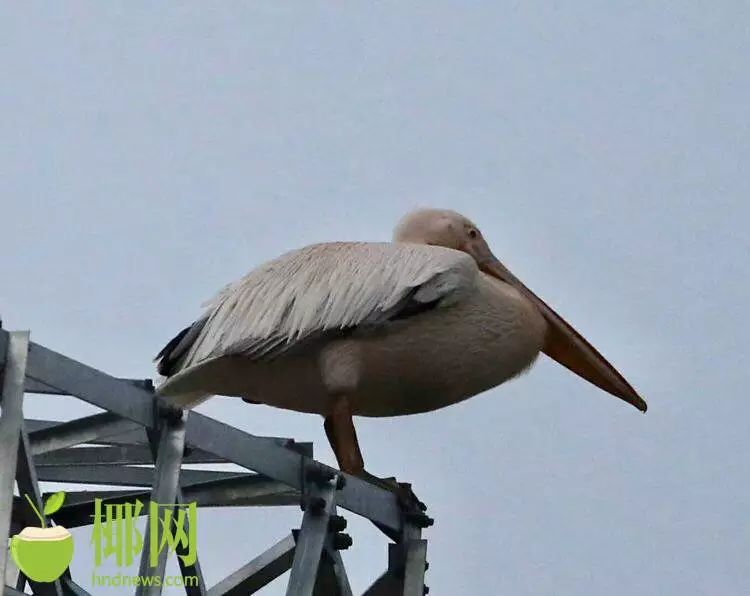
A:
(319, 504)
(259, 572)
(164, 492)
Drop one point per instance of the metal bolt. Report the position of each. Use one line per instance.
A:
(336, 523)
(341, 541)
(419, 519)
(340, 482)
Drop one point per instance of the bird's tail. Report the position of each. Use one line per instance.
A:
(180, 399)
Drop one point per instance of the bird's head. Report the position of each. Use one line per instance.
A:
(442, 227)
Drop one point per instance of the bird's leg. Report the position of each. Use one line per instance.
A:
(342, 436)
(339, 427)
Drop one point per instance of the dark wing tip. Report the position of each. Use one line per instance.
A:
(166, 359)
(170, 355)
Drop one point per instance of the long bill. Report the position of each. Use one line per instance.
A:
(568, 347)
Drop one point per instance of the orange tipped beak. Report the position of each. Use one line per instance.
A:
(568, 347)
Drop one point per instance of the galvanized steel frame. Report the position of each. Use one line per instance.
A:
(136, 429)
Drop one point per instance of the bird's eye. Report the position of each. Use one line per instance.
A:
(473, 233)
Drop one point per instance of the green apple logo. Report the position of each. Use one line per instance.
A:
(43, 554)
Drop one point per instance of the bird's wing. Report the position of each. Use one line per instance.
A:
(316, 290)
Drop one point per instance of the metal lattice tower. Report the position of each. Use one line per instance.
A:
(110, 448)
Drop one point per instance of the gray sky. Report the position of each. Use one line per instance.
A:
(151, 153)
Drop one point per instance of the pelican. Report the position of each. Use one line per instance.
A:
(348, 329)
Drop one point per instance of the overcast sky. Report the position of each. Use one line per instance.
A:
(152, 152)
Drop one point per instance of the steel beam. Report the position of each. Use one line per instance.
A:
(28, 485)
(251, 490)
(325, 580)
(72, 588)
(116, 454)
(133, 437)
(259, 572)
(194, 569)
(358, 496)
(12, 573)
(332, 579)
(124, 475)
(317, 568)
(164, 492)
(416, 560)
(319, 502)
(90, 385)
(407, 563)
(137, 438)
(237, 491)
(339, 571)
(386, 585)
(36, 386)
(33, 386)
(11, 424)
(4, 341)
(78, 431)
(28, 488)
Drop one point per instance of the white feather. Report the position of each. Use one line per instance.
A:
(324, 287)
